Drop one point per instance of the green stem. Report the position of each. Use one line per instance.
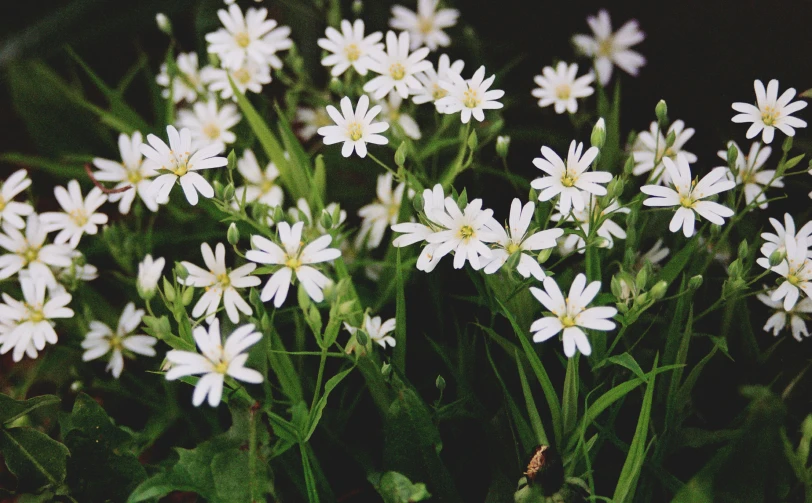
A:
(456, 167)
(319, 378)
(382, 164)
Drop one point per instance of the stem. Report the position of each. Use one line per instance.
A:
(319, 378)
(382, 164)
(456, 166)
(252, 450)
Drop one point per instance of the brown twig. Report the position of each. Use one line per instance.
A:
(102, 187)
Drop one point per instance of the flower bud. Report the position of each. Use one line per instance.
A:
(658, 290)
(732, 156)
(598, 137)
(787, 145)
(473, 141)
(440, 383)
(357, 8)
(642, 299)
(149, 272)
(169, 290)
(186, 296)
(218, 189)
(180, 271)
(386, 369)
(326, 220)
(163, 23)
(777, 257)
(228, 192)
(233, 234)
(641, 279)
(417, 202)
(629, 166)
(533, 195)
(544, 255)
(743, 249)
(232, 160)
(615, 188)
(622, 308)
(361, 337)
(661, 111)
(670, 139)
(695, 282)
(734, 270)
(278, 214)
(336, 86)
(400, 154)
(502, 146)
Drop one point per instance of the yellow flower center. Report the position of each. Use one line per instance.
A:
(354, 131)
(79, 217)
(470, 98)
(221, 367)
(243, 39)
(425, 25)
(562, 91)
(438, 92)
(568, 180)
(568, 321)
(30, 255)
(224, 280)
(393, 210)
(35, 315)
(211, 131)
(397, 71)
(794, 280)
(687, 201)
(2, 203)
(134, 176)
(352, 52)
(466, 232)
(116, 342)
(769, 115)
(293, 263)
(242, 75)
(513, 248)
(605, 47)
(265, 186)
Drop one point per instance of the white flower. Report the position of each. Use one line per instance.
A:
(149, 273)
(216, 361)
(433, 200)
(11, 212)
(430, 89)
(376, 330)
(28, 323)
(469, 97)
(78, 270)
(354, 127)
(183, 164)
(78, 215)
(561, 88)
(349, 47)
(749, 173)
(259, 184)
(249, 76)
(778, 241)
(208, 124)
(517, 241)
(571, 178)
(772, 112)
(302, 213)
(186, 86)
(130, 172)
(571, 314)
(611, 48)
(608, 229)
(778, 321)
(102, 340)
(688, 195)
(311, 119)
(219, 283)
(426, 25)
(378, 216)
(406, 125)
(294, 258)
(396, 67)
(30, 251)
(655, 255)
(650, 149)
(796, 269)
(251, 37)
(463, 232)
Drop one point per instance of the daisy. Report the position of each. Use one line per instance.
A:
(609, 48)
(469, 97)
(749, 173)
(130, 172)
(30, 251)
(311, 120)
(101, 340)
(78, 215)
(463, 232)
(772, 112)
(426, 25)
(11, 212)
(514, 238)
(294, 258)
(592, 212)
(433, 199)
(396, 67)
(650, 149)
(378, 216)
(688, 195)
(568, 180)
(28, 323)
(430, 89)
(778, 241)
(354, 127)
(349, 47)
(208, 124)
(559, 87)
(182, 164)
(186, 86)
(302, 213)
(570, 314)
(796, 268)
(391, 111)
(259, 184)
(250, 37)
(377, 331)
(656, 254)
(778, 321)
(149, 273)
(249, 76)
(220, 284)
(217, 361)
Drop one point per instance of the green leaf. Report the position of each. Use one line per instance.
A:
(626, 360)
(397, 488)
(315, 414)
(569, 406)
(678, 262)
(60, 169)
(33, 457)
(530, 403)
(11, 409)
(399, 353)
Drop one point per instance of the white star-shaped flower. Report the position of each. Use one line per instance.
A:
(778, 241)
(209, 124)
(750, 174)
(470, 97)
(568, 180)
(772, 112)
(149, 273)
(570, 314)
(78, 215)
(465, 232)
(217, 361)
(294, 257)
(377, 330)
(349, 47)
(220, 283)
(30, 251)
(687, 194)
(396, 68)
(796, 269)
(430, 90)
(426, 25)
(130, 172)
(184, 165)
(796, 316)
(11, 212)
(354, 127)
(101, 340)
(561, 88)
(403, 123)
(250, 76)
(186, 86)
(259, 183)
(650, 149)
(28, 323)
(592, 212)
(310, 120)
(516, 240)
(412, 232)
(248, 37)
(609, 48)
(378, 216)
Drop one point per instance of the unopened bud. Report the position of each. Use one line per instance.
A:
(440, 383)
(326, 220)
(777, 257)
(336, 86)
(400, 154)
(661, 111)
(386, 369)
(233, 234)
(533, 195)
(743, 249)
(228, 192)
(232, 160)
(615, 188)
(361, 337)
(186, 296)
(169, 290)
(670, 139)
(695, 282)
(641, 279)
(357, 8)
(658, 290)
(218, 189)
(544, 255)
(278, 214)
(734, 270)
(787, 146)
(473, 141)
(163, 23)
(629, 166)
(631, 218)
(641, 299)
(180, 271)
(598, 137)
(617, 289)
(732, 156)
(622, 308)
(417, 202)
(502, 146)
